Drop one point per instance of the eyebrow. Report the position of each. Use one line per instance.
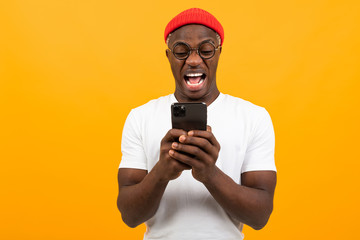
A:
(179, 41)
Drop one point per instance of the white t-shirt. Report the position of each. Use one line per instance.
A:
(187, 210)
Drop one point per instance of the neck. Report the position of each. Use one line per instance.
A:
(207, 98)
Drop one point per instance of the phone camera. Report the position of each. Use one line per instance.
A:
(179, 111)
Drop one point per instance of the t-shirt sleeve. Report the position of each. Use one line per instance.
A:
(133, 154)
(260, 152)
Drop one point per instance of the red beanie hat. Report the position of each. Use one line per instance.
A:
(194, 16)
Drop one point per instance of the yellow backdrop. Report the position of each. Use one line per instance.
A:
(70, 71)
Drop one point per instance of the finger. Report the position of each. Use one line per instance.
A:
(208, 128)
(180, 165)
(173, 135)
(184, 159)
(205, 134)
(200, 142)
(191, 151)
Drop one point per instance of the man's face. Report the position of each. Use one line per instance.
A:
(195, 78)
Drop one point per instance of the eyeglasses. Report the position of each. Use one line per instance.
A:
(206, 50)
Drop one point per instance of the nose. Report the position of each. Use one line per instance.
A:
(194, 59)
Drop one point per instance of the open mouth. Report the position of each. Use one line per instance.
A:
(194, 79)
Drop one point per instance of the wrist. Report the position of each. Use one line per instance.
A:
(213, 178)
(159, 175)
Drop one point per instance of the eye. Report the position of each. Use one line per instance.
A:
(180, 55)
(206, 50)
(206, 53)
(181, 50)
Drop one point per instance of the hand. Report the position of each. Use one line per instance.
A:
(198, 149)
(168, 167)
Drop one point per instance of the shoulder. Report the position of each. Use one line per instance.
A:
(243, 107)
(145, 115)
(152, 106)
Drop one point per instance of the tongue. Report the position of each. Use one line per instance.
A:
(194, 80)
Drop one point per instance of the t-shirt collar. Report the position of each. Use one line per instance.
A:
(212, 105)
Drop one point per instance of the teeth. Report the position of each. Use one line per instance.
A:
(195, 84)
(194, 74)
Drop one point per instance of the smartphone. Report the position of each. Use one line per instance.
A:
(189, 116)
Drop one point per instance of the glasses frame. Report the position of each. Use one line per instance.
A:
(193, 49)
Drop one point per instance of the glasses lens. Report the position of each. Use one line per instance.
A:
(181, 51)
(207, 50)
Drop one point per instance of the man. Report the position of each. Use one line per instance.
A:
(197, 184)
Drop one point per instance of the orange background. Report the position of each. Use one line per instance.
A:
(70, 71)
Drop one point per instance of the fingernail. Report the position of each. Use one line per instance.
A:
(175, 144)
(191, 133)
(171, 152)
(182, 138)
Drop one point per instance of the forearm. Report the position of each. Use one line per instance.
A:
(248, 205)
(139, 202)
